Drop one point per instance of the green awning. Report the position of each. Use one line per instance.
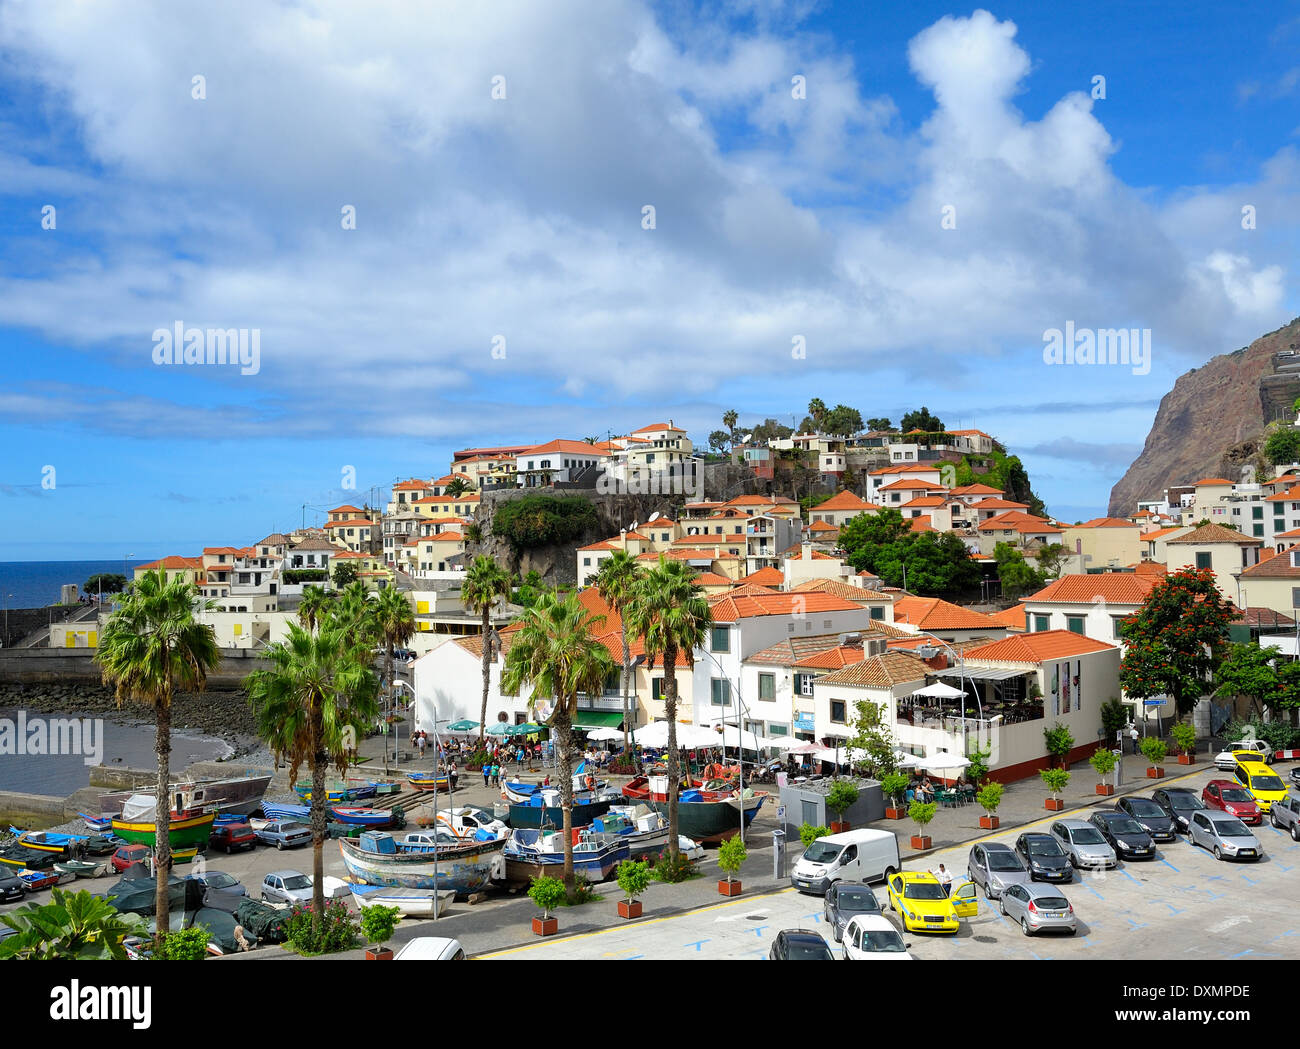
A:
(598, 719)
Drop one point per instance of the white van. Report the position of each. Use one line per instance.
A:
(855, 855)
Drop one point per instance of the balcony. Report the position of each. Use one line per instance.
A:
(606, 701)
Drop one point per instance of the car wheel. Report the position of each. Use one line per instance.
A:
(280, 846)
(1002, 905)
(1295, 831)
(1272, 818)
(1218, 853)
(1024, 926)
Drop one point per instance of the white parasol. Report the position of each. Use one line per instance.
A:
(942, 760)
(689, 737)
(939, 691)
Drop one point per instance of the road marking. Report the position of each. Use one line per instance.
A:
(1169, 865)
(1128, 875)
(698, 944)
(758, 930)
(1251, 880)
(1173, 908)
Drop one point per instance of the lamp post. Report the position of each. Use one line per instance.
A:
(740, 750)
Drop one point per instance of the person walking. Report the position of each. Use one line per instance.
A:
(487, 772)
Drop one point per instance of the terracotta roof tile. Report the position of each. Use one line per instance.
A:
(1215, 533)
(933, 613)
(1115, 588)
(891, 668)
(1038, 647)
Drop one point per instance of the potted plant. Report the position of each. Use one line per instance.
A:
(1059, 740)
(547, 893)
(990, 797)
(1056, 779)
(633, 879)
(731, 854)
(840, 798)
(1103, 762)
(894, 787)
(1155, 751)
(921, 813)
(1185, 736)
(810, 832)
(978, 768)
(377, 923)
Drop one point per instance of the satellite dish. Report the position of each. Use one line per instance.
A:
(748, 437)
(653, 517)
(632, 527)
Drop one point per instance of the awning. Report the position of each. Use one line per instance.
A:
(598, 719)
(980, 673)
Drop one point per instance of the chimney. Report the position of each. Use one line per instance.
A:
(806, 552)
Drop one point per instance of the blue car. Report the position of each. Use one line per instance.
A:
(284, 834)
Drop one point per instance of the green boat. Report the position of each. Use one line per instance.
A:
(136, 824)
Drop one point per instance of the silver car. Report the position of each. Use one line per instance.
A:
(1285, 815)
(1038, 908)
(286, 887)
(1225, 836)
(1084, 844)
(995, 866)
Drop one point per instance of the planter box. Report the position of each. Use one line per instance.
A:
(629, 910)
(546, 926)
(378, 954)
(839, 828)
(1155, 773)
(1054, 804)
(895, 814)
(729, 888)
(920, 842)
(1105, 789)
(1184, 759)
(989, 822)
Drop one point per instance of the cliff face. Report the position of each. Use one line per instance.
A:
(1209, 411)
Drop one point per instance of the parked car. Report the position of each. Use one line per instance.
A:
(221, 890)
(1295, 774)
(1285, 815)
(843, 900)
(1179, 803)
(917, 897)
(1125, 835)
(1232, 798)
(430, 949)
(1258, 750)
(1044, 858)
(1084, 843)
(286, 887)
(795, 945)
(872, 937)
(284, 834)
(129, 854)
(1224, 835)
(1038, 908)
(11, 887)
(995, 866)
(1264, 784)
(854, 855)
(232, 836)
(1149, 816)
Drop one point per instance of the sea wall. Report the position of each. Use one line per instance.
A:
(43, 666)
(30, 810)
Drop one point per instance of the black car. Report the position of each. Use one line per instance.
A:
(1149, 816)
(843, 900)
(1178, 803)
(1043, 856)
(11, 887)
(795, 945)
(1125, 835)
(1295, 774)
(221, 891)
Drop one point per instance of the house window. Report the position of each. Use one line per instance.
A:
(1257, 513)
(877, 611)
(1257, 530)
(1115, 623)
(1074, 624)
(586, 562)
(721, 640)
(657, 689)
(1040, 623)
(767, 686)
(720, 692)
(837, 711)
(1204, 560)
(803, 684)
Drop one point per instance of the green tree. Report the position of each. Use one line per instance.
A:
(921, 420)
(314, 606)
(150, 647)
(1055, 779)
(344, 574)
(1176, 639)
(616, 582)
(310, 706)
(770, 429)
(543, 520)
(989, 797)
(670, 616)
(731, 856)
(817, 411)
(75, 926)
(1283, 446)
(104, 583)
(485, 584)
(457, 486)
(1114, 716)
(719, 440)
(1059, 741)
(1049, 558)
(933, 562)
(872, 737)
(842, 421)
(810, 832)
(556, 653)
(879, 422)
(1248, 670)
(395, 621)
(1014, 572)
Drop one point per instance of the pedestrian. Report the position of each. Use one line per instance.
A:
(420, 744)
(487, 772)
(1133, 735)
(945, 879)
(496, 772)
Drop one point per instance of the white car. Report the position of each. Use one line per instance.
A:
(430, 949)
(873, 937)
(1226, 761)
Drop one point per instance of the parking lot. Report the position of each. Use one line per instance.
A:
(1182, 904)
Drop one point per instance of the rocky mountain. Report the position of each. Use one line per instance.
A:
(1213, 417)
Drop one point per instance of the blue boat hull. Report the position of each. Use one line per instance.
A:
(300, 813)
(523, 865)
(537, 817)
(460, 870)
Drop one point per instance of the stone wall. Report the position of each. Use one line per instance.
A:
(41, 666)
(24, 621)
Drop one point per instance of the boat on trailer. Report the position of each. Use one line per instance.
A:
(375, 859)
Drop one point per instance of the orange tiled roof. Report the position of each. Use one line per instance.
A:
(927, 500)
(357, 521)
(1038, 647)
(175, 562)
(861, 594)
(1210, 480)
(833, 658)
(768, 576)
(1106, 522)
(976, 489)
(912, 483)
(1277, 566)
(744, 589)
(1159, 532)
(1012, 618)
(728, 609)
(998, 503)
(921, 524)
(846, 501)
(1117, 588)
(891, 668)
(1016, 521)
(562, 445)
(1214, 533)
(712, 579)
(933, 613)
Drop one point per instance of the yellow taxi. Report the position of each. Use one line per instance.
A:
(918, 898)
(1264, 784)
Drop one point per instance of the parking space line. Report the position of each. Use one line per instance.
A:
(1169, 865)
(698, 944)
(1127, 875)
(1251, 880)
(759, 930)
(1173, 908)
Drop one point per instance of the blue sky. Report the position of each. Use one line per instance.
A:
(521, 216)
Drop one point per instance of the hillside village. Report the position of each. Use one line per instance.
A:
(800, 635)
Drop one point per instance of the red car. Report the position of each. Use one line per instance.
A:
(1233, 799)
(232, 836)
(129, 854)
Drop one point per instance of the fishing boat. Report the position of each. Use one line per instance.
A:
(81, 868)
(533, 853)
(96, 824)
(644, 830)
(376, 860)
(709, 816)
(188, 826)
(240, 795)
(517, 792)
(542, 810)
(385, 787)
(48, 841)
(34, 881)
(361, 817)
(429, 780)
(273, 811)
(333, 795)
(416, 903)
(359, 789)
(182, 855)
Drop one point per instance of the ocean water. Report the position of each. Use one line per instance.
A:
(35, 584)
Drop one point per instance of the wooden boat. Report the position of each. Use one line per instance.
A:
(359, 789)
(361, 817)
(387, 786)
(543, 810)
(188, 827)
(62, 845)
(644, 829)
(709, 816)
(81, 868)
(416, 903)
(333, 795)
(517, 792)
(273, 811)
(374, 859)
(429, 780)
(184, 854)
(96, 824)
(34, 881)
(240, 795)
(533, 853)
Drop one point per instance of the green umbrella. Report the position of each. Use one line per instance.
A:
(463, 725)
(501, 728)
(525, 729)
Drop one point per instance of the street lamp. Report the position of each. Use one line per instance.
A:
(740, 740)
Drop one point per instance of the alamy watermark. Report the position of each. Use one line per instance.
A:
(182, 345)
(21, 735)
(1125, 346)
(650, 480)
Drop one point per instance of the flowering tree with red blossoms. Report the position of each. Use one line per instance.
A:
(1176, 639)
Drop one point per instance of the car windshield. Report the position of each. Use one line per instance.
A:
(1004, 861)
(882, 940)
(1266, 783)
(219, 880)
(857, 900)
(821, 852)
(1231, 829)
(804, 950)
(1086, 836)
(1236, 794)
(1185, 801)
(1143, 807)
(1124, 827)
(1051, 903)
(924, 890)
(298, 881)
(1044, 847)
(294, 828)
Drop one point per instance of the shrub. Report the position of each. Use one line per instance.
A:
(634, 878)
(1114, 716)
(293, 576)
(1103, 762)
(671, 870)
(840, 797)
(894, 785)
(71, 925)
(1059, 740)
(979, 764)
(185, 945)
(1056, 779)
(547, 893)
(732, 854)
(990, 797)
(338, 929)
(1154, 749)
(541, 520)
(921, 813)
(810, 832)
(378, 922)
(583, 891)
(1185, 736)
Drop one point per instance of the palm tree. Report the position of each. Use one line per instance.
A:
(729, 420)
(484, 584)
(616, 583)
(395, 621)
(317, 686)
(670, 615)
(152, 646)
(316, 602)
(817, 409)
(556, 653)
